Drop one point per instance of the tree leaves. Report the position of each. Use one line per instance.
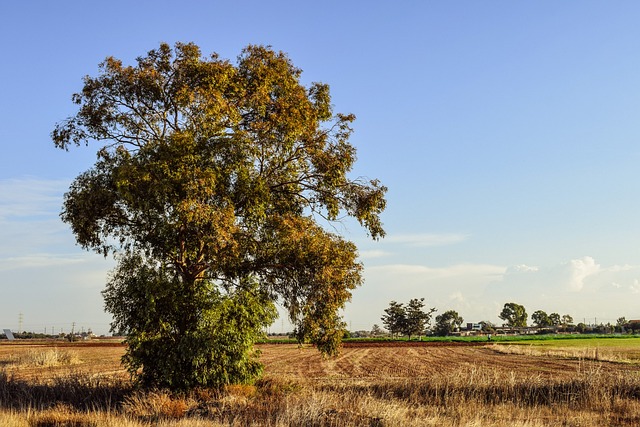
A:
(447, 322)
(215, 174)
(409, 320)
(514, 314)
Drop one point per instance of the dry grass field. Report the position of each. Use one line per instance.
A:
(403, 384)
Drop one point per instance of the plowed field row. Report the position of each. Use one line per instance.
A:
(369, 362)
(355, 362)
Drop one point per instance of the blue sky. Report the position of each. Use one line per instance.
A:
(507, 133)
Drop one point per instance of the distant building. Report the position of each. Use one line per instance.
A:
(474, 326)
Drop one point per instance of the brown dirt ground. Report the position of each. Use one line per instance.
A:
(357, 361)
(416, 361)
(95, 358)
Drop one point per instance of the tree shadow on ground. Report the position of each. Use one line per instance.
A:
(78, 391)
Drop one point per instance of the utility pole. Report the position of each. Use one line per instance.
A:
(20, 319)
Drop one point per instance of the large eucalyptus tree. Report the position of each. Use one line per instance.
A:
(212, 184)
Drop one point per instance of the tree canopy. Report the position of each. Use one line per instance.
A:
(541, 319)
(514, 315)
(447, 323)
(555, 319)
(211, 187)
(394, 318)
(409, 320)
(566, 320)
(417, 319)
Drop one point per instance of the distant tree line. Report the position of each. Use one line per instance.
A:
(412, 319)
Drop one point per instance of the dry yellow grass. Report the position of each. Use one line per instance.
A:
(399, 385)
(626, 355)
(44, 358)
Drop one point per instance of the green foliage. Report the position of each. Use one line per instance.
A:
(514, 315)
(180, 336)
(447, 322)
(488, 327)
(376, 330)
(212, 176)
(417, 319)
(567, 320)
(541, 319)
(394, 318)
(407, 320)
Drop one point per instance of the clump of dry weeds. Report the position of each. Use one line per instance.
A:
(583, 353)
(44, 358)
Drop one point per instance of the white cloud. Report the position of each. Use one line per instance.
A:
(37, 261)
(30, 197)
(427, 239)
(29, 218)
(581, 269)
(521, 268)
(373, 253)
(422, 273)
(458, 298)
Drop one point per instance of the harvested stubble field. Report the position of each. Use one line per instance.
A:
(369, 384)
